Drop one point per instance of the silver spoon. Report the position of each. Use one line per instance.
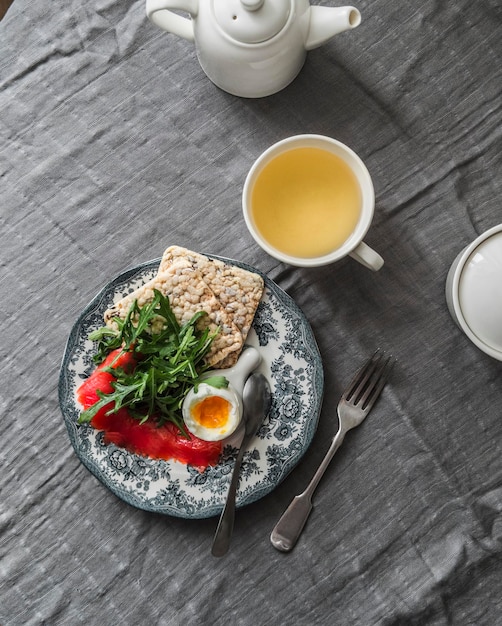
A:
(256, 398)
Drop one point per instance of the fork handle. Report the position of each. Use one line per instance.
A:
(289, 527)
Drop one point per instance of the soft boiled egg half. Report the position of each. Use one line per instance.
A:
(212, 414)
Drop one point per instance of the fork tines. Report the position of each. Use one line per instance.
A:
(370, 380)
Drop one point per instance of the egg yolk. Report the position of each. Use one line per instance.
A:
(212, 412)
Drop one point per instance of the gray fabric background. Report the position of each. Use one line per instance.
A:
(114, 145)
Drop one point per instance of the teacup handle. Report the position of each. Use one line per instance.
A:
(367, 256)
(158, 12)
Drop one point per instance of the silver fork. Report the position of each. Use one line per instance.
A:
(354, 406)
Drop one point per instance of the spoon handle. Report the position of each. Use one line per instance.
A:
(221, 541)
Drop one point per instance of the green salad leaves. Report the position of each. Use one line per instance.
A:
(169, 363)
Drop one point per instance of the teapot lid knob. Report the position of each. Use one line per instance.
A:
(252, 21)
(252, 5)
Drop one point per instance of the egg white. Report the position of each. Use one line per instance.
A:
(208, 433)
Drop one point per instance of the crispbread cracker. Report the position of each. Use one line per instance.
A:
(238, 290)
(188, 293)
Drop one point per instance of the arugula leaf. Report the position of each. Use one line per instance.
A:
(169, 363)
(217, 381)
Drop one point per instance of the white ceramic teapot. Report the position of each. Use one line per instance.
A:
(252, 48)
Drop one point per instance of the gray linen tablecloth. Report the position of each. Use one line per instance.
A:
(114, 145)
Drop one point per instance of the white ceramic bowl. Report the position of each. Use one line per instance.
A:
(474, 291)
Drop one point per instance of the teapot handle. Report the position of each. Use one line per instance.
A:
(158, 12)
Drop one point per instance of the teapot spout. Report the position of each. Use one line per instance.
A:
(325, 22)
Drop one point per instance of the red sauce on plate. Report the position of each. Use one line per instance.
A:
(147, 439)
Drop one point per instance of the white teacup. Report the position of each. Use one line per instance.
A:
(474, 291)
(308, 200)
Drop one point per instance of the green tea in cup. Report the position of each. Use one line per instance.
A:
(306, 202)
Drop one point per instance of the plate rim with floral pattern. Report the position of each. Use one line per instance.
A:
(292, 363)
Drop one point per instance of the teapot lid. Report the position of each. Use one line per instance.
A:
(251, 21)
(480, 290)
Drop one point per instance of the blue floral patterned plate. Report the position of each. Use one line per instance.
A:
(290, 360)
